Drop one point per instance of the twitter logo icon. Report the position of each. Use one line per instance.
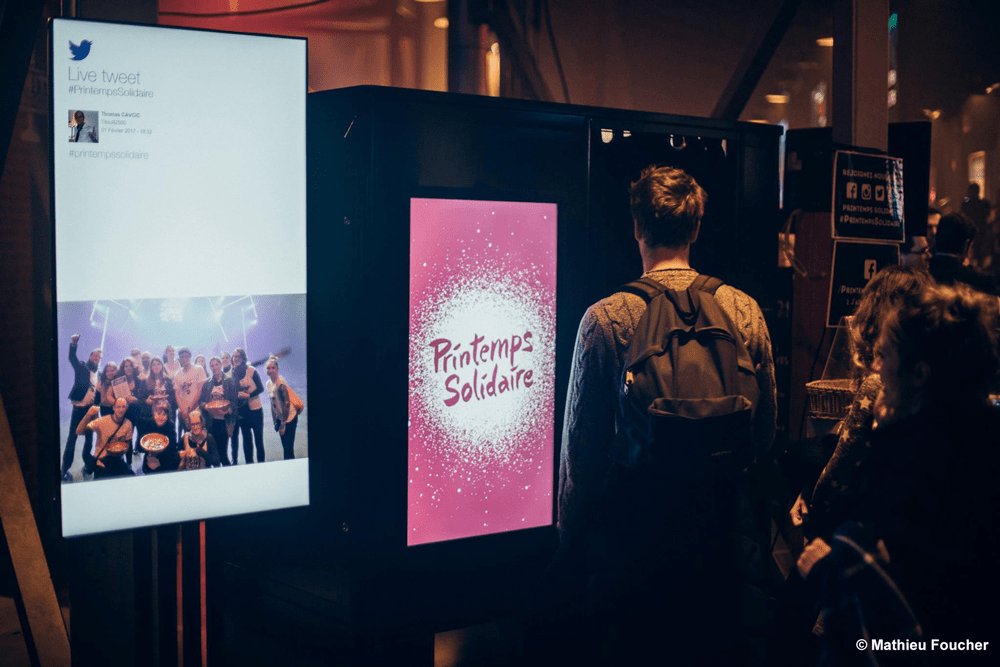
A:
(80, 51)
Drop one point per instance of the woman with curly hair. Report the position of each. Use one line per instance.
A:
(920, 561)
(838, 484)
(105, 396)
(155, 388)
(170, 363)
(128, 375)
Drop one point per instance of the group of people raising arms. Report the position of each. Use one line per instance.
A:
(200, 410)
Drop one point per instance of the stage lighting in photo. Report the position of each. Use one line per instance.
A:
(249, 319)
(100, 315)
(172, 310)
(205, 324)
(132, 310)
(248, 313)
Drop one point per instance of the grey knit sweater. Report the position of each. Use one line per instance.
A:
(601, 345)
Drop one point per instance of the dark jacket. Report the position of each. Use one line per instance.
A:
(229, 392)
(207, 451)
(134, 409)
(948, 270)
(169, 458)
(81, 376)
(929, 525)
(142, 392)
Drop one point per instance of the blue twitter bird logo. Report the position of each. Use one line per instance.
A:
(80, 51)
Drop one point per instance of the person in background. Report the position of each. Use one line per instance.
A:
(105, 396)
(199, 449)
(169, 362)
(137, 361)
(950, 262)
(975, 208)
(919, 562)
(832, 499)
(249, 411)
(915, 252)
(81, 396)
(168, 459)
(200, 361)
(283, 412)
(145, 359)
(227, 364)
(114, 438)
(989, 259)
(127, 373)
(187, 388)
(155, 388)
(221, 423)
(933, 218)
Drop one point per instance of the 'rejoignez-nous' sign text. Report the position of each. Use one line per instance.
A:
(867, 197)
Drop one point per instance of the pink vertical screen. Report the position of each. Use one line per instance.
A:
(482, 367)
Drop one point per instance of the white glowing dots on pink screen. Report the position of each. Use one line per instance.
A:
(482, 362)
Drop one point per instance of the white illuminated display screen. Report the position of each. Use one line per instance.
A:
(180, 222)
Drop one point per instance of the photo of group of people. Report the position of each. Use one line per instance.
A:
(83, 126)
(177, 409)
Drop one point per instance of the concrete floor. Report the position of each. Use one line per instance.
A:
(481, 645)
(13, 652)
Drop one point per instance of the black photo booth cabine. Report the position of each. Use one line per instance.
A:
(370, 150)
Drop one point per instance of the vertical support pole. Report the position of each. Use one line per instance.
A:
(102, 599)
(202, 599)
(860, 73)
(165, 547)
(192, 594)
(145, 596)
(464, 50)
(215, 622)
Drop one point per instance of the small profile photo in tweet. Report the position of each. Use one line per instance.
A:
(83, 126)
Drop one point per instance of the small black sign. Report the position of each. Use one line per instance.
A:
(867, 197)
(854, 264)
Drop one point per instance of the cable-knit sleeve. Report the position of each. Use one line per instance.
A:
(749, 320)
(766, 415)
(589, 424)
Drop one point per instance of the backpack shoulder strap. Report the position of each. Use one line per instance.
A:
(647, 288)
(703, 283)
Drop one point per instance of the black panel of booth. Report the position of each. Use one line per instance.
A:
(371, 151)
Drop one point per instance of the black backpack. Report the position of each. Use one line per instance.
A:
(688, 387)
(667, 541)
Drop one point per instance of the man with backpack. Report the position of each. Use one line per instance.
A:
(671, 397)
